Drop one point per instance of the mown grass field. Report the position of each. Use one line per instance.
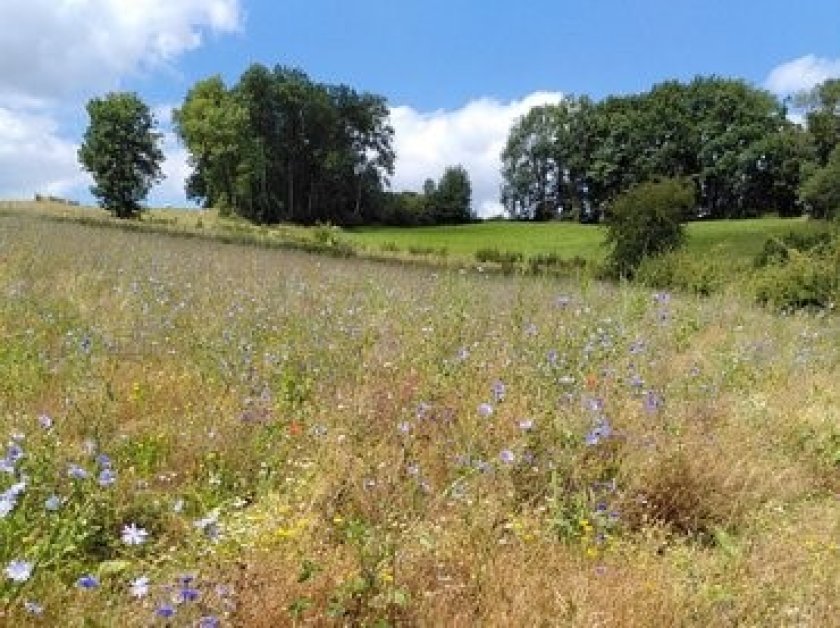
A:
(738, 240)
(199, 433)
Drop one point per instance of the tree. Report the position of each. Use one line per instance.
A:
(821, 190)
(212, 125)
(121, 150)
(646, 221)
(452, 199)
(822, 117)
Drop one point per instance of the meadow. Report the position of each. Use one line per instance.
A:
(201, 433)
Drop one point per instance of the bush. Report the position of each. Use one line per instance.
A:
(777, 250)
(806, 280)
(645, 221)
(679, 270)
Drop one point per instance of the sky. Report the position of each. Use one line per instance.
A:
(456, 73)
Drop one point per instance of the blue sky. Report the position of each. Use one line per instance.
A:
(457, 73)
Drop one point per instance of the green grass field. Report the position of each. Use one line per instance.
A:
(738, 239)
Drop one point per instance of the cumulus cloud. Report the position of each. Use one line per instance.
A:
(472, 136)
(54, 54)
(33, 158)
(55, 48)
(801, 74)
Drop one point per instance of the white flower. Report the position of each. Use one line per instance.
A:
(19, 570)
(134, 535)
(139, 587)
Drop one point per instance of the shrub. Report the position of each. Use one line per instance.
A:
(687, 272)
(645, 221)
(777, 250)
(806, 280)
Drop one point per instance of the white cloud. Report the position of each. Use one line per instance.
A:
(54, 54)
(801, 74)
(56, 48)
(472, 136)
(34, 159)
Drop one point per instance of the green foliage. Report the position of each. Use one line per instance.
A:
(731, 139)
(450, 201)
(647, 221)
(121, 150)
(777, 250)
(821, 190)
(281, 147)
(688, 271)
(806, 280)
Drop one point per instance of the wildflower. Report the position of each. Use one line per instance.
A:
(507, 456)
(553, 357)
(526, 424)
(485, 410)
(87, 581)
(188, 593)
(103, 460)
(107, 477)
(33, 608)
(76, 472)
(139, 587)
(165, 611)
(498, 391)
(209, 622)
(16, 489)
(45, 421)
(19, 570)
(134, 535)
(7, 504)
(52, 503)
(423, 410)
(404, 428)
(652, 401)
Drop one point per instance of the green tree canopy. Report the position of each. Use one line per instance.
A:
(121, 150)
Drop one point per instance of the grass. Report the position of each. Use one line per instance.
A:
(737, 240)
(310, 440)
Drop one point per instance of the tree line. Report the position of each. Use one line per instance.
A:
(280, 147)
(733, 142)
(275, 147)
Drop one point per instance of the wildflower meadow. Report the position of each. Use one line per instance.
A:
(203, 434)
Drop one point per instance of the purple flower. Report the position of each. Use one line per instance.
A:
(188, 594)
(652, 402)
(498, 391)
(209, 622)
(77, 473)
(165, 611)
(507, 456)
(107, 477)
(485, 410)
(45, 421)
(87, 581)
(553, 357)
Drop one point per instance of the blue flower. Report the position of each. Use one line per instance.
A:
(189, 594)
(77, 473)
(87, 581)
(107, 477)
(165, 611)
(209, 622)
